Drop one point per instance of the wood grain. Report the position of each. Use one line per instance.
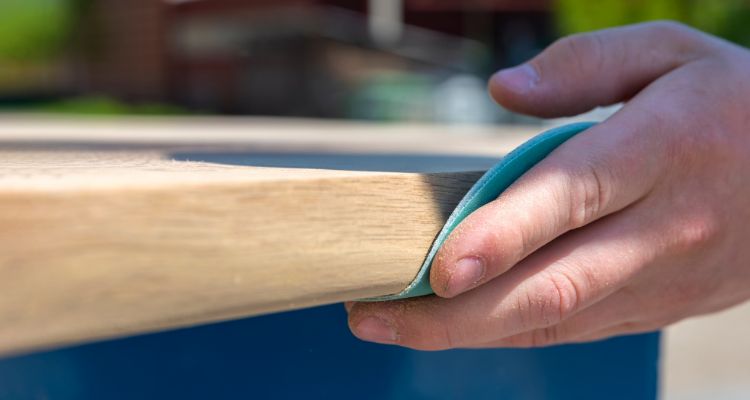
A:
(103, 235)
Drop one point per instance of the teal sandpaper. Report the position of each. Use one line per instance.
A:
(487, 189)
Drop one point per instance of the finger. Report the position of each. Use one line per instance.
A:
(594, 174)
(648, 303)
(545, 289)
(580, 72)
(617, 311)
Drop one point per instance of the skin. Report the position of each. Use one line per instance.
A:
(637, 223)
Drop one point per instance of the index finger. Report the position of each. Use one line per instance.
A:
(596, 173)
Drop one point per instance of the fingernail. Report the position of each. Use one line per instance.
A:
(519, 79)
(466, 273)
(375, 329)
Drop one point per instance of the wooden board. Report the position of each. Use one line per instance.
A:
(116, 227)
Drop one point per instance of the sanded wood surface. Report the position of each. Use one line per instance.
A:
(116, 227)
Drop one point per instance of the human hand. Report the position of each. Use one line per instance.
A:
(636, 223)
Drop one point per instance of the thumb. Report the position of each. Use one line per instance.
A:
(580, 72)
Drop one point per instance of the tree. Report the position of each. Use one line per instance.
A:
(32, 30)
(726, 18)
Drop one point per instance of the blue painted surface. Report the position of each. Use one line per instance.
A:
(311, 354)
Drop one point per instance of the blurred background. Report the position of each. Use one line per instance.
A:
(383, 60)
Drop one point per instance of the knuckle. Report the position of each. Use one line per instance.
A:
(554, 299)
(590, 192)
(525, 238)
(566, 294)
(696, 233)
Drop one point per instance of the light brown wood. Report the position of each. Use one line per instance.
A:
(103, 233)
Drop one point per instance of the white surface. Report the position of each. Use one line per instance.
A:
(708, 357)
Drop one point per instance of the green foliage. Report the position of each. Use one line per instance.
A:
(34, 29)
(726, 18)
(101, 105)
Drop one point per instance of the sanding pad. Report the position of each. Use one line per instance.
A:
(487, 189)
